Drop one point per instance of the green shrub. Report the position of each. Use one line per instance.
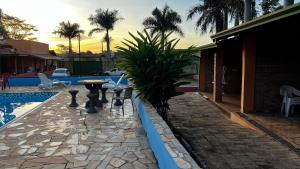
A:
(155, 71)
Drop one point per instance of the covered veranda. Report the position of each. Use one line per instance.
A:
(21, 56)
(266, 56)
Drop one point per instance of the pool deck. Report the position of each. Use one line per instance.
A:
(55, 136)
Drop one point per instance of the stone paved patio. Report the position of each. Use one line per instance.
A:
(56, 136)
(218, 142)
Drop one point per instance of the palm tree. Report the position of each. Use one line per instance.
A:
(163, 21)
(247, 11)
(104, 39)
(288, 2)
(269, 6)
(68, 30)
(236, 11)
(104, 20)
(212, 14)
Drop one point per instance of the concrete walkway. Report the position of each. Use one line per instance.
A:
(218, 142)
(57, 137)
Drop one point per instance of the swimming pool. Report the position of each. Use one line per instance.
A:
(14, 105)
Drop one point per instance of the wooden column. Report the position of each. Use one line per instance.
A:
(248, 74)
(218, 65)
(16, 64)
(202, 71)
(22, 60)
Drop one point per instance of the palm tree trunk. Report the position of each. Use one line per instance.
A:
(163, 40)
(247, 11)
(225, 22)
(219, 22)
(288, 2)
(237, 18)
(107, 41)
(70, 46)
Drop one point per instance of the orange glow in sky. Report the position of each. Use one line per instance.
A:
(46, 14)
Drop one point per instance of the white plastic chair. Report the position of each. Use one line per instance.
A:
(291, 97)
(111, 84)
(49, 84)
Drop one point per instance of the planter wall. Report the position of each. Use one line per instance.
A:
(168, 151)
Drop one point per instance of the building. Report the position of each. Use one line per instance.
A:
(248, 63)
(21, 56)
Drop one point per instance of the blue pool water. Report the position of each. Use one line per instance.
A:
(14, 105)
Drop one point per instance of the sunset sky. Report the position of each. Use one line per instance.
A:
(46, 14)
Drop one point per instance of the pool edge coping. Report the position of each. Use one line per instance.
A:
(35, 108)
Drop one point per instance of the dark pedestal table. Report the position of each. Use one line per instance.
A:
(93, 86)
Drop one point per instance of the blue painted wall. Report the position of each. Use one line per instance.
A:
(165, 160)
(34, 81)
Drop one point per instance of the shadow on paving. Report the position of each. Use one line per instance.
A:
(216, 142)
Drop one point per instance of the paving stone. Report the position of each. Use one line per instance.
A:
(54, 166)
(129, 156)
(117, 162)
(4, 148)
(138, 165)
(55, 136)
(32, 150)
(53, 144)
(93, 164)
(81, 157)
(182, 163)
(80, 163)
(127, 166)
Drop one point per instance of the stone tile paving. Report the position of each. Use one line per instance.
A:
(286, 128)
(56, 136)
(218, 142)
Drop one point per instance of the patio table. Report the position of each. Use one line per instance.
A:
(93, 86)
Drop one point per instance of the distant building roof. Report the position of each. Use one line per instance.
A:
(6, 49)
(25, 48)
(265, 19)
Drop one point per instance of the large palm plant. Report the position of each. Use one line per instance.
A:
(163, 21)
(155, 70)
(104, 20)
(68, 30)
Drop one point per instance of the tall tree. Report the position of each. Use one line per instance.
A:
(163, 21)
(211, 15)
(3, 32)
(236, 11)
(247, 11)
(104, 20)
(269, 6)
(288, 2)
(15, 28)
(68, 30)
